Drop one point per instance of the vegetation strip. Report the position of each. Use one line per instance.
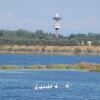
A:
(80, 66)
(25, 37)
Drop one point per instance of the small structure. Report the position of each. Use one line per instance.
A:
(89, 43)
(83, 43)
(57, 25)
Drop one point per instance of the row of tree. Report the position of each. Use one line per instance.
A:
(24, 37)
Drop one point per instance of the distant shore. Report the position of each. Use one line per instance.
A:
(81, 66)
(65, 50)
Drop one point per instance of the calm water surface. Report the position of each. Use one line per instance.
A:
(19, 85)
(30, 59)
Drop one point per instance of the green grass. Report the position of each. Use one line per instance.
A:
(10, 67)
(80, 66)
(57, 67)
(37, 67)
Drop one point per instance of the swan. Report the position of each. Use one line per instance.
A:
(41, 87)
(48, 86)
(51, 85)
(36, 87)
(67, 85)
(56, 86)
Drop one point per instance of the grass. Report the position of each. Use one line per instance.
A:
(80, 66)
(10, 67)
(36, 67)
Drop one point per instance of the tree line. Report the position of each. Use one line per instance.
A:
(25, 37)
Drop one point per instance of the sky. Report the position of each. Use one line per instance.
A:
(78, 16)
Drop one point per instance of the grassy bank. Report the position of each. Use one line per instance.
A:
(80, 66)
(69, 50)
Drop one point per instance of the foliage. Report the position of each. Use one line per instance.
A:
(77, 51)
(25, 37)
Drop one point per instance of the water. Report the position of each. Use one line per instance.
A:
(30, 59)
(19, 85)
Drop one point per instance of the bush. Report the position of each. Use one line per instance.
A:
(77, 51)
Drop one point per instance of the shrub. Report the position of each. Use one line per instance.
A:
(77, 51)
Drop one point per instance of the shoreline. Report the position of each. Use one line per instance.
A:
(50, 54)
(60, 70)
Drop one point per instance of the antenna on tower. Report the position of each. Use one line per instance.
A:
(57, 25)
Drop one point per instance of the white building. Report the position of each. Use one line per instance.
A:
(89, 43)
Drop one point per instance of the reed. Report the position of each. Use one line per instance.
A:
(94, 50)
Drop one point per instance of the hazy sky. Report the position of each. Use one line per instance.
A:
(78, 16)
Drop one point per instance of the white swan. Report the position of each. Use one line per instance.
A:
(36, 87)
(67, 85)
(41, 87)
(51, 85)
(56, 86)
(48, 86)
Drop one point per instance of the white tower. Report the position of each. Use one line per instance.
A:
(57, 25)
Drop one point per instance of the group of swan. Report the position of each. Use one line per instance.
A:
(43, 87)
(49, 86)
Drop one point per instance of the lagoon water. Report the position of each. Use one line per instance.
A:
(30, 59)
(19, 85)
